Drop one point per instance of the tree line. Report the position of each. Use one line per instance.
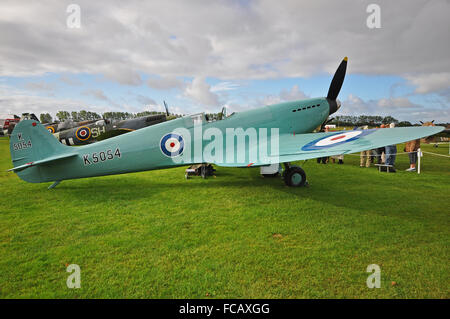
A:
(83, 115)
(370, 120)
(342, 120)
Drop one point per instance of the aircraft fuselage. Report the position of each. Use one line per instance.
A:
(141, 150)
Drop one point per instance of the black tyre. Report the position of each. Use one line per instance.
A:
(295, 177)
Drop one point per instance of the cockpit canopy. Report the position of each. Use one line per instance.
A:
(199, 118)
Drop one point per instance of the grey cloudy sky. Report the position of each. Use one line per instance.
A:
(182, 45)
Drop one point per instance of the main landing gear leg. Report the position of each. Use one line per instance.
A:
(294, 176)
(54, 184)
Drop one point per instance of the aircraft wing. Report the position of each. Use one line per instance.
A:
(313, 145)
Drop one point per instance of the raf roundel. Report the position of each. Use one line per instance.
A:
(172, 145)
(83, 133)
(335, 139)
(51, 129)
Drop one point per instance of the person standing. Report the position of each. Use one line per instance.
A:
(323, 160)
(376, 153)
(340, 158)
(382, 150)
(365, 155)
(391, 153)
(411, 148)
(364, 158)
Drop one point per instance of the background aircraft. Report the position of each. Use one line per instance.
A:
(7, 123)
(37, 157)
(65, 125)
(103, 129)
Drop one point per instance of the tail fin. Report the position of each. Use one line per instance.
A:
(32, 145)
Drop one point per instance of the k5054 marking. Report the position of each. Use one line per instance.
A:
(99, 157)
(22, 145)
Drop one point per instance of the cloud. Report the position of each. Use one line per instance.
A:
(285, 95)
(395, 102)
(293, 94)
(400, 108)
(224, 86)
(71, 80)
(17, 102)
(39, 86)
(122, 74)
(431, 83)
(230, 41)
(95, 93)
(200, 91)
(145, 100)
(243, 40)
(164, 83)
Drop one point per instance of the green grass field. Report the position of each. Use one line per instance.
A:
(157, 235)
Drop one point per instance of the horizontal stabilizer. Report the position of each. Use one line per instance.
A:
(42, 161)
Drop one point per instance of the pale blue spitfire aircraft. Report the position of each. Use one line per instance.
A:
(267, 137)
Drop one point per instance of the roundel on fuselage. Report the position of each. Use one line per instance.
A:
(83, 133)
(51, 129)
(172, 145)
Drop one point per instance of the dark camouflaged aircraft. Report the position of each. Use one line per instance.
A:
(105, 128)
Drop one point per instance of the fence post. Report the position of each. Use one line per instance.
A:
(419, 155)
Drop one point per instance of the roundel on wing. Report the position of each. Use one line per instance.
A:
(335, 139)
(83, 133)
(51, 129)
(172, 145)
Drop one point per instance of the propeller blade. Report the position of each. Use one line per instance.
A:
(337, 81)
(328, 120)
(167, 109)
(223, 113)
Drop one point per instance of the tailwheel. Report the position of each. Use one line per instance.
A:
(294, 176)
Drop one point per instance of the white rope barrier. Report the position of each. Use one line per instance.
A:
(436, 154)
(419, 155)
(402, 153)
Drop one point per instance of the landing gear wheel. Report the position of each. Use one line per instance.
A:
(294, 176)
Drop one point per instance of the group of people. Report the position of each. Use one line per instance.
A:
(384, 156)
(324, 160)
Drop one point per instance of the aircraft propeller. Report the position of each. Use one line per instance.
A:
(167, 109)
(335, 86)
(223, 113)
(328, 120)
